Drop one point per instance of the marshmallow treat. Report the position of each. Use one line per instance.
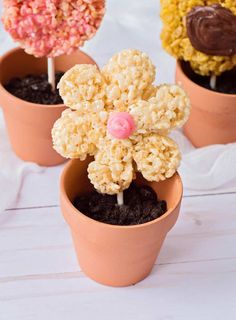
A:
(52, 27)
(202, 32)
(121, 119)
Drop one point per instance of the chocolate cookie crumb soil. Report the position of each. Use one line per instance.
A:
(226, 82)
(35, 89)
(141, 205)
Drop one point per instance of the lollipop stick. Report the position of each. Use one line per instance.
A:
(213, 82)
(51, 72)
(120, 198)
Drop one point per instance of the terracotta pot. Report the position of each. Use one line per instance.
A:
(116, 255)
(213, 116)
(29, 125)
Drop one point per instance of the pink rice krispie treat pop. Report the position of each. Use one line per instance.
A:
(118, 116)
(52, 27)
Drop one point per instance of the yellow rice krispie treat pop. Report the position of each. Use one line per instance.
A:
(202, 32)
(119, 117)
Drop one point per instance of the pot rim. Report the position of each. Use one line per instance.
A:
(63, 194)
(200, 88)
(31, 104)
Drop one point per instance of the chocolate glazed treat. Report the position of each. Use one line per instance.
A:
(212, 30)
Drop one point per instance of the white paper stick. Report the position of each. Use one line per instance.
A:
(51, 72)
(120, 198)
(213, 82)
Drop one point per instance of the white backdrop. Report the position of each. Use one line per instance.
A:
(131, 24)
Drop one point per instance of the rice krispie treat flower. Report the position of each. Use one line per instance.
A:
(128, 135)
(52, 27)
(202, 32)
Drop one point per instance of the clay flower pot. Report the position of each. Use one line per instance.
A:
(29, 125)
(213, 116)
(116, 255)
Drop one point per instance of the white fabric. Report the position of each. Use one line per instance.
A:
(12, 171)
(132, 24)
(207, 169)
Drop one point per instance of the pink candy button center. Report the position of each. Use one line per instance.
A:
(121, 125)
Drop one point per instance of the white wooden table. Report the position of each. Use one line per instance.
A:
(195, 275)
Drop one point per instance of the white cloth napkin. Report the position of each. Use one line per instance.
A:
(208, 169)
(12, 171)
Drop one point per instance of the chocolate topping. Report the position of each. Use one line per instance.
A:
(212, 30)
